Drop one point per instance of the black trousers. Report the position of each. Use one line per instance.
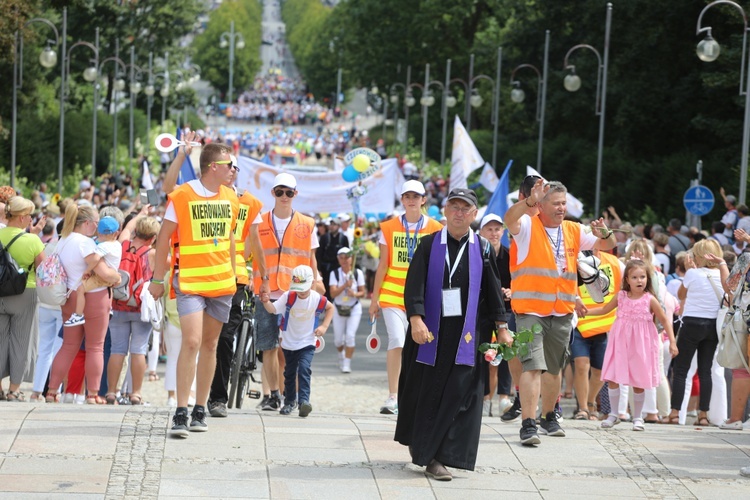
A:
(696, 335)
(225, 349)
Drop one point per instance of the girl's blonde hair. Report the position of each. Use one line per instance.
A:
(75, 216)
(146, 228)
(19, 206)
(703, 247)
(638, 264)
(647, 255)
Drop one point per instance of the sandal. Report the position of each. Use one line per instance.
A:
(15, 397)
(593, 410)
(702, 422)
(95, 400)
(153, 377)
(582, 415)
(671, 420)
(51, 398)
(136, 399)
(110, 398)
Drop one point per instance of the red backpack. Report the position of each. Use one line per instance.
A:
(134, 273)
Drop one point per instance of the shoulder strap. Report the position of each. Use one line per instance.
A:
(719, 295)
(7, 247)
(290, 300)
(319, 310)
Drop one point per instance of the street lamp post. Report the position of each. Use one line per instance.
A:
(90, 74)
(427, 101)
(518, 95)
(446, 100)
(233, 40)
(149, 91)
(117, 84)
(62, 102)
(48, 59)
(708, 50)
(164, 91)
(573, 82)
(134, 88)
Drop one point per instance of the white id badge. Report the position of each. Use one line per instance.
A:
(451, 302)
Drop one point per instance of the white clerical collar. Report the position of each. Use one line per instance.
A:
(444, 236)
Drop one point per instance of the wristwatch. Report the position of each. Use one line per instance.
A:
(501, 326)
(265, 278)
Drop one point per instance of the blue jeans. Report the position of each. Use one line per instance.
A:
(297, 366)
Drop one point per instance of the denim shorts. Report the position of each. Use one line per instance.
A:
(267, 327)
(592, 348)
(129, 333)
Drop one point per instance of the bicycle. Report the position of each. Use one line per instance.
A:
(245, 359)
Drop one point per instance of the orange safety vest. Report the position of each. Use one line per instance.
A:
(595, 325)
(281, 259)
(536, 285)
(204, 226)
(250, 207)
(397, 256)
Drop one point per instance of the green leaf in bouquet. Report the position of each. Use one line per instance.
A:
(484, 347)
(508, 354)
(523, 350)
(536, 329)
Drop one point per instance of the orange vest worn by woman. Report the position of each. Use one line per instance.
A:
(203, 231)
(536, 285)
(250, 207)
(282, 258)
(392, 290)
(596, 325)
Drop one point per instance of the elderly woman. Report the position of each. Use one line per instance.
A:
(19, 330)
(77, 252)
(702, 291)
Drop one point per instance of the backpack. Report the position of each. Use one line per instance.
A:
(291, 299)
(12, 276)
(52, 281)
(134, 272)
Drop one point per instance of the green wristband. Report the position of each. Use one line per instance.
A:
(157, 282)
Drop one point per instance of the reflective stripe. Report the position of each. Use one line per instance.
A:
(297, 252)
(206, 271)
(282, 258)
(547, 297)
(387, 300)
(394, 287)
(535, 271)
(207, 286)
(396, 273)
(566, 297)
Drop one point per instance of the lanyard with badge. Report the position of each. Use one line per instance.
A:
(411, 242)
(452, 296)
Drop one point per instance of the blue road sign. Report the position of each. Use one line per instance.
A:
(698, 200)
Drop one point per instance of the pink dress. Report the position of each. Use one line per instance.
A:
(632, 351)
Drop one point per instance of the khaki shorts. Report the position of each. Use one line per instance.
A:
(549, 350)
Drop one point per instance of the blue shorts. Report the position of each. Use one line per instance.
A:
(129, 333)
(592, 348)
(266, 326)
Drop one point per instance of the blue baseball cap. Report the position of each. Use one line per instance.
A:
(108, 225)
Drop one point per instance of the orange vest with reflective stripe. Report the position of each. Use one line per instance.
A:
(536, 285)
(595, 325)
(392, 290)
(204, 226)
(282, 259)
(249, 209)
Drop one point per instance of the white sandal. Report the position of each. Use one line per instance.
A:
(609, 422)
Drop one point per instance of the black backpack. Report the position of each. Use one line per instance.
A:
(12, 276)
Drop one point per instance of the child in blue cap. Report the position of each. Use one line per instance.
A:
(109, 249)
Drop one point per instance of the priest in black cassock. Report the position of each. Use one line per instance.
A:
(441, 386)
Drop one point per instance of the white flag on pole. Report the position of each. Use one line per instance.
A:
(574, 208)
(147, 181)
(488, 178)
(465, 158)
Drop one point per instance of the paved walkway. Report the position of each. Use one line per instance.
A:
(70, 451)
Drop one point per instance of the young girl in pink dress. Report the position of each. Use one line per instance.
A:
(633, 348)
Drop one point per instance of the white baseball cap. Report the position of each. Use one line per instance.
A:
(413, 187)
(344, 218)
(286, 180)
(302, 279)
(344, 251)
(489, 218)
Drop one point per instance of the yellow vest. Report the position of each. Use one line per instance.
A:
(596, 325)
(250, 207)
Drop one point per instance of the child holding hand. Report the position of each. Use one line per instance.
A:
(633, 346)
(301, 309)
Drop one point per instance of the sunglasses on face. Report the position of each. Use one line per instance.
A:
(281, 192)
(228, 163)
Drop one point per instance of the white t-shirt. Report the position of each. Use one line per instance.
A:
(729, 218)
(702, 301)
(523, 239)
(674, 286)
(338, 278)
(662, 260)
(111, 252)
(300, 330)
(73, 251)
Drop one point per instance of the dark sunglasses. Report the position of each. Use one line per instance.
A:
(281, 192)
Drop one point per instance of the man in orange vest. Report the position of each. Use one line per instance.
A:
(201, 215)
(590, 338)
(289, 239)
(543, 266)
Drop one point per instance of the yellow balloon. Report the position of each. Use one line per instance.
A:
(361, 163)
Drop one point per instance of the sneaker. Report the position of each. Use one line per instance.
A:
(745, 471)
(638, 424)
(390, 407)
(558, 411)
(180, 423)
(68, 398)
(746, 425)
(549, 426)
(304, 409)
(198, 420)
(273, 403)
(512, 414)
(733, 426)
(529, 436)
(75, 320)
(346, 365)
(263, 402)
(171, 402)
(503, 405)
(217, 409)
(287, 409)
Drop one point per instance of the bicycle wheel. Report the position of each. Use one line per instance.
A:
(248, 364)
(239, 354)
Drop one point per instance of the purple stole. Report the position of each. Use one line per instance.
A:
(466, 354)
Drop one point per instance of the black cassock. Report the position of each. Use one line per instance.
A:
(440, 407)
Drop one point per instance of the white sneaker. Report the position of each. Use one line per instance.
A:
(486, 408)
(504, 404)
(80, 399)
(75, 320)
(172, 402)
(346, 365)
(68, 398)
(733, 426)
(638, 424)
(390, 407)
(745, 471)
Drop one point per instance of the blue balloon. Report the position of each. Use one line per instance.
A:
(349, 174)
(433, 211)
